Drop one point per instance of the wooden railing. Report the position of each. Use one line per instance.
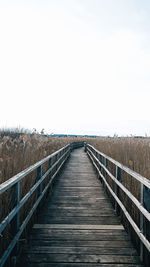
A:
(114, 186)
(42, 183)
(77, 144)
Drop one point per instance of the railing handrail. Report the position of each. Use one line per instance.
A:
(96, 157)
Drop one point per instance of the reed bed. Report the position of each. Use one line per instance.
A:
(130, 151)
(20, 150)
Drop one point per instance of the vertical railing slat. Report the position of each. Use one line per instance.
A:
(146, 224)
(117, 189)
(141, 222)
(56, 158)
(18, 201)
(50, 165)
(39, 175)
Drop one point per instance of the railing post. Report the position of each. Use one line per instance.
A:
(39, 175)
(118, 177)
(50, 165)
(85, 146)
(15, 199)
(145, 223)
(64, 152)
(103, 171)
(141, 221)
(18, 200)
(69, 151)
(71, 146)
(100, 168)
(56, 158)
(106, 165)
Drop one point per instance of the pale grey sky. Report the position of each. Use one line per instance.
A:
(75, 66)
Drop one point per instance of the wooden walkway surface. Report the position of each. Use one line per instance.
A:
(78, 226)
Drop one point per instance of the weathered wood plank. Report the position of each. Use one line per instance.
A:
(82, 250)
(82, 243)
(83, 258)
(75, 226)
(89, 237)
(79, 220)
(74, 213)
(81, 208)
(83, 205)
(79, 265)
(80, 199)
(109, 232)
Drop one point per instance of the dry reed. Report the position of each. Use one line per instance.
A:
(19, 151)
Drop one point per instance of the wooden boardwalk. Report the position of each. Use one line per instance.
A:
(78, 226)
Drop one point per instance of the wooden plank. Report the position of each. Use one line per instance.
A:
(80, 208)
(83, 237)
(79, 193)
(83, 258)
(63, 188)
(82, 250)
(75, 226)
(79, 220)
(110, 232)
(79, 265)
(96, 206)
(82, 243)
(74, 213)
(80, 184)
(80, 199)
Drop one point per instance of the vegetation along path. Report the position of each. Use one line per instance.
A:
(78, 226)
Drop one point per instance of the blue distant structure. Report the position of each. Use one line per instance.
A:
(73, 135)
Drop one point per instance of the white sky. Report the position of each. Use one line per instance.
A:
(75, 66)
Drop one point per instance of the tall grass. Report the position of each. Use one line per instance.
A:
(19, 150)
(132, 152)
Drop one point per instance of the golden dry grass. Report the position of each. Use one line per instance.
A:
(132, 152)
(19, 151)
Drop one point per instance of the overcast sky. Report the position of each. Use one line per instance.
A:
(75, 66)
